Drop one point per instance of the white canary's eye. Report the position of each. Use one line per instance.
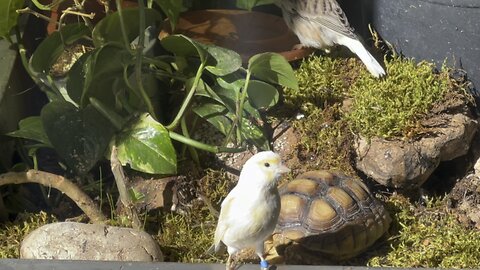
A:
(267, 164)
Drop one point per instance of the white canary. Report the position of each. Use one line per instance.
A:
(250, 211)
(321, 24)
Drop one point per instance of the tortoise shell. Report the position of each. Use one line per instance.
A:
(330, 213)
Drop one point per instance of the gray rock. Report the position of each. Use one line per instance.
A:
(79, 241)
(407, 164)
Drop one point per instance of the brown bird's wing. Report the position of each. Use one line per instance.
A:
(327, 13)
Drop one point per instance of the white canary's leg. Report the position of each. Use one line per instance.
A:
(357, 48)
(259, 251)
(229, 265)
(230, 261)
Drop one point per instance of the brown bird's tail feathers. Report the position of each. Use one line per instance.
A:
(357, 48)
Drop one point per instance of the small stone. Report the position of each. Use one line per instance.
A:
(476, 168)
(300, 116)
(79, 241)
(156, 193)
(404, 164)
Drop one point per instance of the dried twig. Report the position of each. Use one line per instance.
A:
(27, 10)
(70, 11)
(64, 185)
(125, 199)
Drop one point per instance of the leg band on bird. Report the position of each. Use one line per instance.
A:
(264, 264)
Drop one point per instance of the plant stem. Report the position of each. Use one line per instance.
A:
(187, 99)
(114, 118)
(239, 113)
(126, 43)
(242, 103)
(192, 150)
(203, 146)
(46, 7)
(23, 56)
(64, 185)
(138, 63)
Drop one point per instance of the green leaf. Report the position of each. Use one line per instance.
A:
(262, 95)
(147, 147)
(226, 61)
(249, 4)
(203, 90)
(252, 132)
(172, 9)
(108, 29)
(31, 128)
(181, 45)
(220, 61)
(229, 99)
(221, 116)
(273, 68)
(115, 119)
(232, 82)
(79, 136)
(51, 47)
(216, 114)
(135, 195)
(47, 7)
(97, 74)
(8, 16)
(77, 75)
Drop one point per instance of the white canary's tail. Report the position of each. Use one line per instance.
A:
(357, 48)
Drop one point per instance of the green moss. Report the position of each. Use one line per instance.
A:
(322, 81)
(12, 233)
(325, 135)
(391, 106)
(339, 104)
(428, 237)
(186, 237)
(339, 98)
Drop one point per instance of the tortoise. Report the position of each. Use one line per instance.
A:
(326, 213)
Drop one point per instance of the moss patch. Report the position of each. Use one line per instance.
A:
(12, 233)
(338, 104)
(338, 98)
(322, 81)
(428, 236)
(325, 141)
(392, 106)
(186, 237)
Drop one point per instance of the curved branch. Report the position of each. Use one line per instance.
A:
(64, 185)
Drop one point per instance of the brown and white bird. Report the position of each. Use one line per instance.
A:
(321, 24)
(250, 211)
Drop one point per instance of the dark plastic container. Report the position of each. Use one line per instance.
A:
(433, 30)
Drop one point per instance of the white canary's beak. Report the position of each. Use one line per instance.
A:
(283, 169)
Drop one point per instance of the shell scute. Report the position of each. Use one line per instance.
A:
(331, 213)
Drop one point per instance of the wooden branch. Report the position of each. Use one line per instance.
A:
(125, 199)
(83, 201)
